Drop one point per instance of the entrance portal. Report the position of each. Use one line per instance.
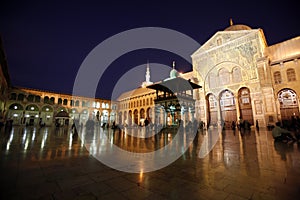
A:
(288, 104)
(245, 105)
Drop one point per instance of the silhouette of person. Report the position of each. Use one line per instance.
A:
(280, 134)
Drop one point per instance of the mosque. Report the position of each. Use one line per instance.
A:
(241, 77)
(235, 75)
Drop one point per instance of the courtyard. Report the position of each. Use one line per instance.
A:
(49, 163)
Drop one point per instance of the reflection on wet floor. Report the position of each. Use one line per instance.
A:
(247, 165)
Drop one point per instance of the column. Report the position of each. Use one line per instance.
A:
(219, 112)
(237, 107)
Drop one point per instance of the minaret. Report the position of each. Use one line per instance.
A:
(230, 22)
(148, 73)
(147, 81)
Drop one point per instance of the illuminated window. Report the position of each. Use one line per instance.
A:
(212, 101)
(287, 98)
(227, 99)
(277, 77)
(291, 75)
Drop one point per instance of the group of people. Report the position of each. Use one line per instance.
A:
(241, 124)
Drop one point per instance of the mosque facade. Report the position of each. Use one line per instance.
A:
(241, 78)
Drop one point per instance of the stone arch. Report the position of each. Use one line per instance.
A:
(16, 106)
(16, 113)
(212, 109)
(136, 117)
(130, 118)
(149, 114)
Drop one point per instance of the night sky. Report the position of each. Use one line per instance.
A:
(46, 41)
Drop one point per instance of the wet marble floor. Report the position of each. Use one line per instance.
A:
(49, 163)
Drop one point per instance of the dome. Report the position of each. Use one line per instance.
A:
(173, 73)
(237, 27)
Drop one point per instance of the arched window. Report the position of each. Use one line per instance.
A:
(291, 75)
(30, 98)
(83, 104)
(65, 102)
(287, 98)
(212, 80)
(227, 99)
(236, 75)
(147, 102)
(37, 99)
(13, 96)
(212, 101)
(288, 104)
(21, 97)
(46, 99)
(52, 99)
(277, 77)
(77, 103)
(224, 76)
(59, 102)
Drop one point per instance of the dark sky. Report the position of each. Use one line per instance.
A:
(46, 41)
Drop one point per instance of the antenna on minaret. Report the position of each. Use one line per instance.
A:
(173, 64)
